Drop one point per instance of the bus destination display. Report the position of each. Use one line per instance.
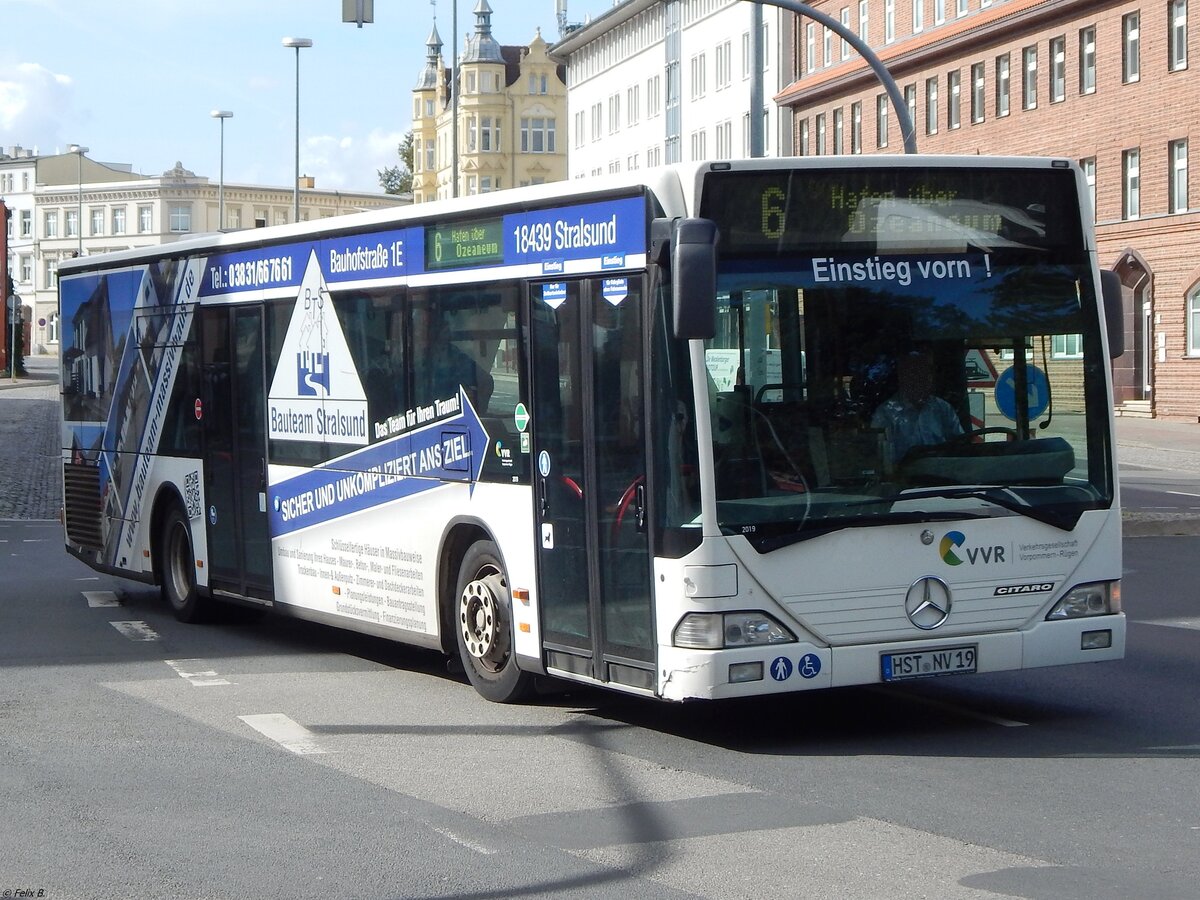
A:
(464, 244)
(901, 209)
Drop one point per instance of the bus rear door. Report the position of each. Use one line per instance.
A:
(233, 416)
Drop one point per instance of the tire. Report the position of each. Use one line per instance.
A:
(483, 627)
(179, 569)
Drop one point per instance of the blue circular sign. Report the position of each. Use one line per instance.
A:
(781, 668)
(809, 665)
(544, 464)
(1037, 388)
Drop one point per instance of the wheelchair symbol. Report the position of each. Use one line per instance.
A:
(809, 665)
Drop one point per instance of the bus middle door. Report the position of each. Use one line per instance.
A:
(594, 569)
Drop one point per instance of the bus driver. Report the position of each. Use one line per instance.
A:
(914, 416)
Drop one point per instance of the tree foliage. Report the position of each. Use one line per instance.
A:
(399, 179)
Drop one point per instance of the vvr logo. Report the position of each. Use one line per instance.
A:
(975, 555)
(312, 374)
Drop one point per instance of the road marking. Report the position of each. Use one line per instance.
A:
(101, 598)
(957, 710)
(1193, 624)
(136, 631)
(201, 677)
(1182, 493)
(288, 734)
(459, 839)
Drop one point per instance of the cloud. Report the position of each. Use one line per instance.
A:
(349, 163)
(34, 102)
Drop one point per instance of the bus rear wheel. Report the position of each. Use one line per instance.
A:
(179, 569)
(483, 626)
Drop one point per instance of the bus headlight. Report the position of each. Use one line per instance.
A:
(1100, 598)
(715, 631)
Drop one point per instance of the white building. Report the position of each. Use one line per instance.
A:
(71, 205)
(658, 81)
(18, 175)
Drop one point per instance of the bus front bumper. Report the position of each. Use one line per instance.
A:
(784, 668)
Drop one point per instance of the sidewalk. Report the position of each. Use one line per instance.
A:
(39, 381)
(1158, 444)
(30, 441)
(1171, 446)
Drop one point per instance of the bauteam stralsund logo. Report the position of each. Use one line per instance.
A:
(312, 374)
(316, 394)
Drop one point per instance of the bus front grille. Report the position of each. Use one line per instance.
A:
(81, 505)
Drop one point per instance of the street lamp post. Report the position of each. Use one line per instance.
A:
(79, 151)
(454, 101)
(221, 114)
(298, 44)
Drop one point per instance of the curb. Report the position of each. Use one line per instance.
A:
(25, 381)
(1140, 525)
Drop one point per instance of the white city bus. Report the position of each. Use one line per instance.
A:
(625, 432)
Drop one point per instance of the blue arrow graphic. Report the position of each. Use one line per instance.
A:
(448, 450)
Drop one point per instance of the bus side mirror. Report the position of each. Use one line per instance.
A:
(694, 278)
(1114, 312)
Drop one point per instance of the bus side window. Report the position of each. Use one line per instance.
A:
(372, 323)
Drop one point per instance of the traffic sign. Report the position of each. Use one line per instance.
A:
(980, 371)
(1037, 388)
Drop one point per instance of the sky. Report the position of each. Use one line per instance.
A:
(135, 81)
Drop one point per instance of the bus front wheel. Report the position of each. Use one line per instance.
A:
(179, 569)
(483, 625)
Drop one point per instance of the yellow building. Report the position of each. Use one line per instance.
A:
(511, 108)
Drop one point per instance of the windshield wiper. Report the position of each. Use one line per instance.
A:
(1061, 516)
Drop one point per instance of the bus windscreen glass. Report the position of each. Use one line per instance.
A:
(903, 344)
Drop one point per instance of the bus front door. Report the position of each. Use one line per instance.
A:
(594, 570)
(235, 446)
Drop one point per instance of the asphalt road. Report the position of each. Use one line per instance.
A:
(141, 757)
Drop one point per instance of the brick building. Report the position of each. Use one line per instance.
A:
(1107, 84)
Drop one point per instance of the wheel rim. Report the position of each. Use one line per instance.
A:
(480, 621)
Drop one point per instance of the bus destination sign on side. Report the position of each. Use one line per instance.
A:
(464, 244)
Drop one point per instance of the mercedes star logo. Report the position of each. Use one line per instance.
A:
(927, 603)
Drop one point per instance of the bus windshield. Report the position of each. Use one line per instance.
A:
(903, 345)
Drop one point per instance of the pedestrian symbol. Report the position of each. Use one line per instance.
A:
(781, 669)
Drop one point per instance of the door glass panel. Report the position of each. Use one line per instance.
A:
(618, 404)
(220, 482)
(234, 448)
(559, 469)
(251, 449)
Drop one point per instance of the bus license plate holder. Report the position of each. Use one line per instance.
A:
(929, 663)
